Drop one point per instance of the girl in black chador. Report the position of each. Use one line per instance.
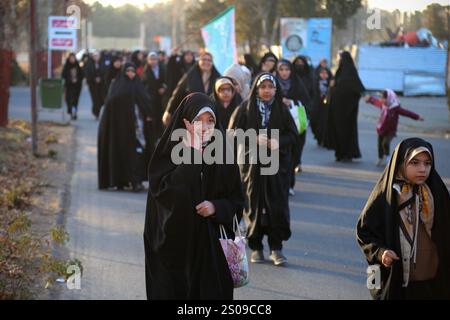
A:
(226, 99)
(267, 208)
(294, 91)
(404, 227)
(186, 204)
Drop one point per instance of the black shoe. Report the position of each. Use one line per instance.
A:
(278, 258)
(257, 256)
(138, 187)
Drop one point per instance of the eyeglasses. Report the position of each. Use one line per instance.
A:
(206, 60)
(130, 70)
(226, 89)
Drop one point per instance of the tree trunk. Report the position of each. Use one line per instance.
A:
(5, 81)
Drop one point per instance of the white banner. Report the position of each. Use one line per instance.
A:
(62, 33)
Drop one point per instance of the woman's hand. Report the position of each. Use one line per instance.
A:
(287, 101)
(161, 91)
(388, 258)
(421, 118)
(273, 144)
(262, 140)
(205, 209)
(367, 98)
(332, 83)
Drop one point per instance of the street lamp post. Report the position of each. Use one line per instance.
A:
(32, 58)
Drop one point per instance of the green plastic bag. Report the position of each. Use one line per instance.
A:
(298, 113)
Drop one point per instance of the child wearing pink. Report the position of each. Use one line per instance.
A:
(388, 121)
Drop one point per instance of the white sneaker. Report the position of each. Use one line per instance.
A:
(381, 162)
(291, 192)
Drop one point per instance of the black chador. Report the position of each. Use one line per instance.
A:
(121, 138)
(183, 255)
(267, 209)
(414, 222)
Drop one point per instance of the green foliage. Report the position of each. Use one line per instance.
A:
(257, 21)
(435, 19)
(108, 21)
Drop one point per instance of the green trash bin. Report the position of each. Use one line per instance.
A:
(52, 90)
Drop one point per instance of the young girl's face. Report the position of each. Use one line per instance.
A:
(268, 65)
(418, 169)
(284, 71)
(323, 75)
(205, 124)
(225, 93)
(266, 91)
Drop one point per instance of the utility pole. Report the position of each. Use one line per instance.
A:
(33, 38)
(175, 14)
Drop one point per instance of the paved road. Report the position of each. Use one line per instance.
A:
(324, 260)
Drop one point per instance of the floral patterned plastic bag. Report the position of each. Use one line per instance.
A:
(236, 255)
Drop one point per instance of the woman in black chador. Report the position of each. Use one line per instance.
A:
(267, 208)
(121, 138)
(294, 91)
(73, 80)
(342, 131)
(153, 78)
(95, 73)
(186, 203)
(200, 78)
(403, 229)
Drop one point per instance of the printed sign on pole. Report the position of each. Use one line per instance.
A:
(62, 33)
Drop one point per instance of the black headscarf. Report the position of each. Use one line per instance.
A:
(297, 89)
(378, 225)
(112, 72)
(135, 59)
(305, 73)
(302, 70)
(347, 73)
(124, 85)
(69, 65)
(268, 55)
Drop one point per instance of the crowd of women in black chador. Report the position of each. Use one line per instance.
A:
(403, 229)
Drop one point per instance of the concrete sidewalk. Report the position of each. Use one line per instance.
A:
(105, 227)
(433, 109)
